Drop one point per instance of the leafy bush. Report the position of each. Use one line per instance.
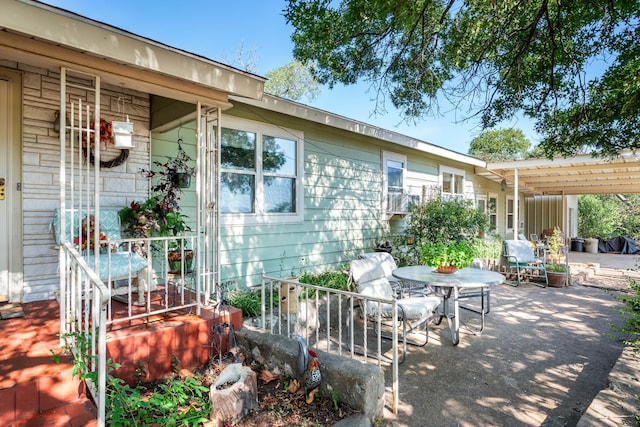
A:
(631, 315)
(457, 254)
(247, 301)
(597, 216)
(441, 221)
(331, 279)
(328, 279)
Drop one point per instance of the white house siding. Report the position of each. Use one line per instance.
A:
(40, 169)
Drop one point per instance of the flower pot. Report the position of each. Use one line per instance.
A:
(556, 279)
(174, 257)
(446, 269)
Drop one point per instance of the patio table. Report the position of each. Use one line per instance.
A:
(448, 286)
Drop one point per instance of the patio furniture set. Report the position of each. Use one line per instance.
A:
(425, 296)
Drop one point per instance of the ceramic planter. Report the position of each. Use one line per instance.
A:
(556, 279)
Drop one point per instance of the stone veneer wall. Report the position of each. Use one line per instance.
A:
(40, 168)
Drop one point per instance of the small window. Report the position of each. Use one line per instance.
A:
(452, 182)
(510, 214)
(394, 195)
(492, 209)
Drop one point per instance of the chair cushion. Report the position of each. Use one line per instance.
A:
(377, 288)
(415, 308)
(365, 270)
(109, 224)
(118, 264)
(521, 250)
(384, 259)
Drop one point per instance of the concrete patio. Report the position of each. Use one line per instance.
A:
(544, 356)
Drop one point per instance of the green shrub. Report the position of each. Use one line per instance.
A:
(331, 279)
(247, 301)
(631, 315)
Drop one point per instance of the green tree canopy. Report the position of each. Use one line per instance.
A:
(292, 81)
(571, 65)
(500, 144)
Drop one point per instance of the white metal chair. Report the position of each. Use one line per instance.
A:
(388, 264)
(414, 313)
(521, 257)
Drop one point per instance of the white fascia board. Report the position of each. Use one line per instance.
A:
(291, 108)
(67, 29)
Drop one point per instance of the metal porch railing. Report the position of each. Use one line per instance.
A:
(321, 316)
(160, 288)
(83, 319)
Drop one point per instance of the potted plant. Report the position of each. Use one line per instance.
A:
(555, 246)
(556, 268)
(448, 257)
(160, 214)
(557, 275)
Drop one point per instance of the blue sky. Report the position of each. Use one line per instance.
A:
(217, 29)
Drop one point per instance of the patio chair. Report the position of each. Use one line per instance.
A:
(520, 256)
(414, 313)
(119, 266)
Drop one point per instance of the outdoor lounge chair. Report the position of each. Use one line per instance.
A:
(414, 313)
(521, 258)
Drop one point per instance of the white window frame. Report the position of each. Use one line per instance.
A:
(259, 216)
(386, 156)
(494, 214)
(454, 172)
(481, 199)
(511, 213)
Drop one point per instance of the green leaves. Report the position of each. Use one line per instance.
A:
(500, 144)
(573, 66)
(458, 254)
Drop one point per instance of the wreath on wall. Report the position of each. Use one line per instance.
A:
(106, 137)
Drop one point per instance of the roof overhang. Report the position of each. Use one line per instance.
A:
(316, 115)
(42, 35)
(582, 174)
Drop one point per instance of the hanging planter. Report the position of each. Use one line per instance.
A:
(183, 179)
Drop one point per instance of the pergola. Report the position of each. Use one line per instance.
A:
(582, 174)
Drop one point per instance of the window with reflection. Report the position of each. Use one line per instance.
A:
(261, 173)
(452, 182)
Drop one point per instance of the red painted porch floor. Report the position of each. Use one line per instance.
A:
(36, 391)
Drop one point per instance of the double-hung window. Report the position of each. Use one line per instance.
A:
(492, 208)
(261, 173)
(395, 167)
(452, 182)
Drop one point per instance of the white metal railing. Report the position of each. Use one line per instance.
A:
(162, 287)
(83, 314)
(322, 316)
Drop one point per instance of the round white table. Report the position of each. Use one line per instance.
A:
(448, 287)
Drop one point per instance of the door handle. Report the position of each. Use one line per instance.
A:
(1, 188)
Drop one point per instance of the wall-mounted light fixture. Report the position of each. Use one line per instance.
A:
(503, 184)
(122, 134)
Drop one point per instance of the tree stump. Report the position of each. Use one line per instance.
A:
(234, 401)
